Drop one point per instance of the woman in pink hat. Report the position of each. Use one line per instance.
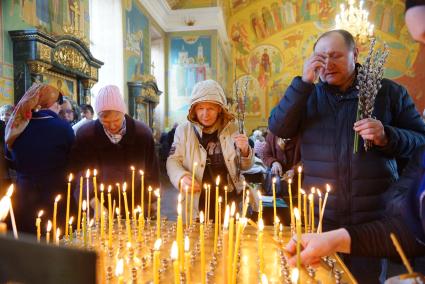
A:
(115, 142)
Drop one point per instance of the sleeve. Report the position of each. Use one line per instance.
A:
(79, 153)
(285, 119)
(175, 169)
(407, 130)
(268, 158)
(248, 161)
(373, 239)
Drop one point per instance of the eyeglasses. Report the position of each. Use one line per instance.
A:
(68, 110)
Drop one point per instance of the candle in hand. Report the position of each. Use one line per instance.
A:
(175, 259)
(55, 212)
(49, 228)
(68, 198)
(38, 224)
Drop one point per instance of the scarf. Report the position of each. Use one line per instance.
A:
(116, 138)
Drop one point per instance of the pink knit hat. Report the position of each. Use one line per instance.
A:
(109, 98)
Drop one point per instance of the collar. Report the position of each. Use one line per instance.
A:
(44, 113)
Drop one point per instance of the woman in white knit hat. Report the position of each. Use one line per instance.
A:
(115, 142)
(210, 137)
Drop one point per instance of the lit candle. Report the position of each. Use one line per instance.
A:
(140, 225)
(89, 234)
(12, 215)
(281, 231)
(55, 211)
(191, 192)
(88, 193)
(117, 211)
(225, 242)
(49, 228)
(38, 224)
(119, 270)
(133, 172)
(313, 224)
(119, 197)
(102, 216)
(96, 208)
(186, 189)
(319, 229)
(243, 191)
(217, 183)
(276, 226)
(202, 238)
(225, 195)
(110, 217)
(149, 202)
(260, 244)
(175, 259)
(305, 209)
(264, 279)
(239, 229)
(245, 204)
(157, 247)
(80, 199)
(298, 225)
(68, 198)
(260, 206)
(158, 214)
(84, 223)
(274, 202)
(300, 169)
(71, 237)
(206, 200)
(311, 213)
(187, 257)
(127, 214)
(142, 192)
(291, 210)
(208, 204)
(58, 233)
(322, 212)
(230, 244)
(219, 214)
(180, 231)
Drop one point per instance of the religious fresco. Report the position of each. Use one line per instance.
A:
(50, 16)
(190, 61)
(136, 41)
(222, 68)
(271, 39)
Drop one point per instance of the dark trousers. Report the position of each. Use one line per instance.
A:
(367, 270)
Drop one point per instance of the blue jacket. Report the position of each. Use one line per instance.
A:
(323, 117)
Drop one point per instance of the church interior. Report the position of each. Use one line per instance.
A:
(171, 62)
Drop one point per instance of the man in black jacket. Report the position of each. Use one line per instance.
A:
(324, 117)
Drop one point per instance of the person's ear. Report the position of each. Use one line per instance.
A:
(356, 54)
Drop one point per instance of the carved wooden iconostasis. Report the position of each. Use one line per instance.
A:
(62, 61)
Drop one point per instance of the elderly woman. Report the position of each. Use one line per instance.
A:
(210, 138)
(38, 144)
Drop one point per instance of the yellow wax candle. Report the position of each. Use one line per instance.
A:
(206, 200)
(281, 231)
(142, 192)
(291, 210)
(274, 201)
(68, 198)
(127, 214)
(180, 232)
(300, 169)
(243, 191)
(88, 194)
(49, 228)
(133, 172)
(38, 224)
(191, 192)
(119, 270)
(57, 234)
(239, 229)
(260, 244)
(119, 196)
(110, 217)
(298, 226)
(117, 211)
(155, 269)
(209, 204)
(305, 210)
(175, 259)
(260, 206)
(225, 195)
(319, 225)
(96, 208)
(313, 224)
(84, 223)
(322, 212)
(202, 239)
(245, 205)
(149, 202)
(311, 213)
(276, 226)
(230, 244)
(185, 206)
(12, 215)
(225, 237)
(217, 183)
(219, 214)
(79, 205)
(187, 258)
(140, 225)
(89, 234)
(102, 216)
(158, 214)
(55, 212)
(71, 237)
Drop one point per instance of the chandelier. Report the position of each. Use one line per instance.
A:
(354, 19)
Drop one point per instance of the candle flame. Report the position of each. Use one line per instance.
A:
(319, 193)
(94, 172)
(310, 197)
(10, 191)
(289, 180)
(195, 164)
(219, 199)
(40, 213)
(328, 188)
(117, 211)
(109, 188)
(264, 279)
(174, 251)
(119, 269)
(179, 209)
(124, 186)
(232, 209)
(157, 244)
(260, 225)
(186, 244)
(186, 188)
(294, 275)
(302, 191)
(70, 177)
(300, 169)
(274, 180)
(71, 220)
(84, 206)
(150, 188)
(226, 217)
(132, 168)
(297, 214)
(58, 197)
(102, 187)
(281, 227)
(201, 217)
(91, 222)
(141, 172)
(156, 192)
(179, 198)
(277, 220)
(49, 226)
(58, 232)
(259, 194)
(237, 216)
(4, 207)
(217, 181)
(88, 173)
(313, 190)
(225, 188)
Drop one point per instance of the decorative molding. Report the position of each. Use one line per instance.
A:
(71, 58)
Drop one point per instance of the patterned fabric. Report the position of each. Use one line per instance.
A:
(116, 138)
(38, 96)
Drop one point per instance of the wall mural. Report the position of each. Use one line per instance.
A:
(136, 42)
(190, 61)
(271, 39)
(50, 16)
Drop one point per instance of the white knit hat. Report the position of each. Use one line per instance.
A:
(109, 98)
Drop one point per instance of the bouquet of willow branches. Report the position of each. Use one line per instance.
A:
(240, 115)
(369, 78)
